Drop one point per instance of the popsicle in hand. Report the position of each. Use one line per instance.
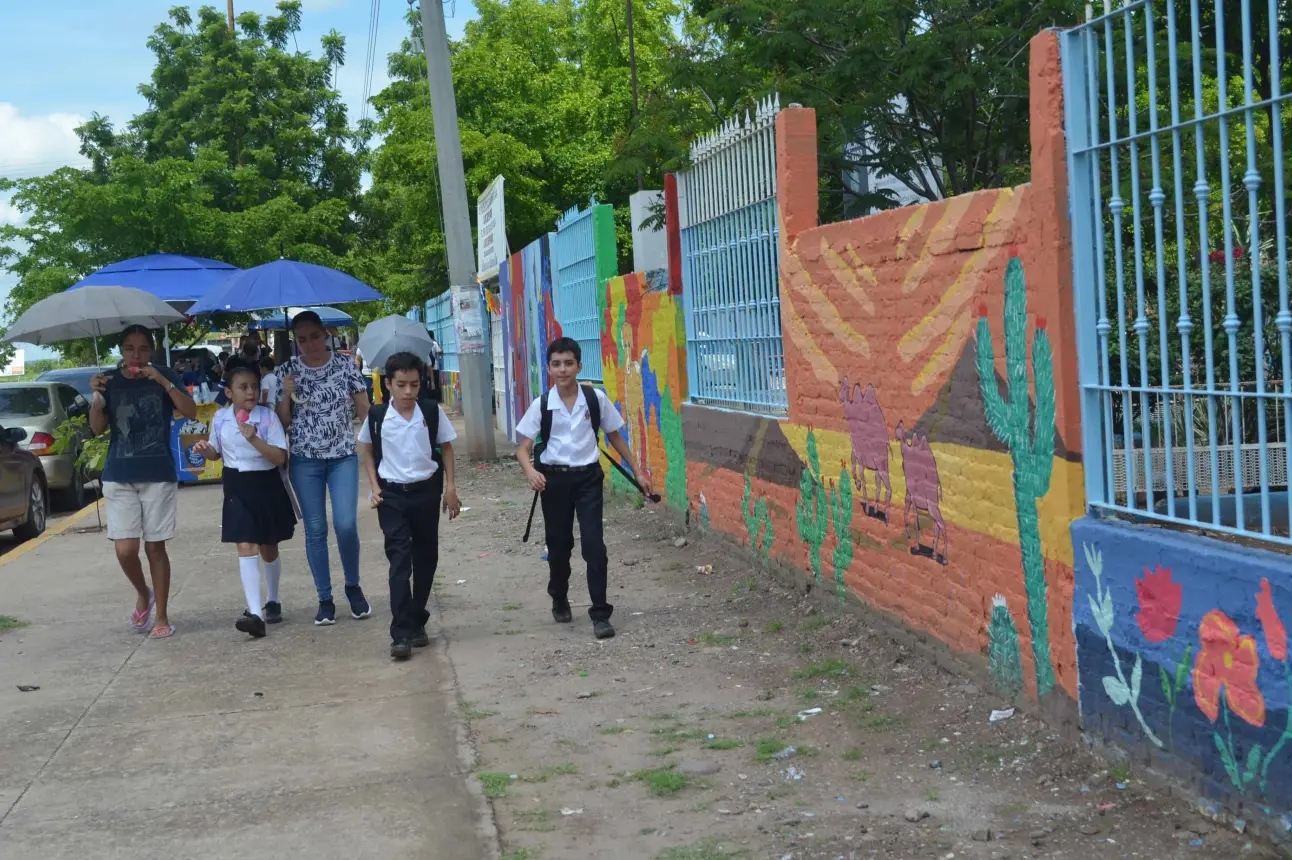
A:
(242, 415)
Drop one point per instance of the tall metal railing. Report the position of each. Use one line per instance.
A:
(439, 319)
(1183, 323)
(731, 266)
(574, 294)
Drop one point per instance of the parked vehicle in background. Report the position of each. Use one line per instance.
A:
(77, 377)
(39, 408)
(23, 491)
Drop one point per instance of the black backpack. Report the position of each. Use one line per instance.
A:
(545, 425)
(430, 411)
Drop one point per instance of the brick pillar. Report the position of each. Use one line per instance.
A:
(673, 230)
(796, 170)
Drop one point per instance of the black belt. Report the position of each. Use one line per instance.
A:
(407, 488)
(587, 468)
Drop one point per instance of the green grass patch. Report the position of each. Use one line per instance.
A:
(8, 622)
(855, 693)
(757, 712)
(724, 744)
(852, 754)
(807, 751)
(615, 730)
(519, 854)
(664, 716)
(1119, 772)
(562, 769)
(469, 711)
(707, 849)
(774, 627)
(860, 776)
(717, 638)
(662, 781)
(646, 831)
(813, 623)
(494, 784)
(535, 820)
(932, 795)
(785, 722)
(832, 668)
(880, 722)
(767, 747)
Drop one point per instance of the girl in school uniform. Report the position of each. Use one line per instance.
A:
(258, 513)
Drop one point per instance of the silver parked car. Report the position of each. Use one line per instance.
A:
(39, 408)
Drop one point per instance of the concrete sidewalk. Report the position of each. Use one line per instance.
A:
(310, 743)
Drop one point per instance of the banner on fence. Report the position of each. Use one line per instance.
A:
(469, 319)
(491, 225)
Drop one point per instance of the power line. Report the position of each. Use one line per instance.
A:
(374, 23)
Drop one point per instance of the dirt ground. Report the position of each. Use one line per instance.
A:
(694, 734)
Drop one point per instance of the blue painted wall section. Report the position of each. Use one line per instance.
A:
(1182, 657)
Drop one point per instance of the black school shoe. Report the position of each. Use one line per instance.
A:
(273, 613)
(561, 612)
(419, 639)
(252, 625)
(603, 630)
(401, 649)
(359, 606)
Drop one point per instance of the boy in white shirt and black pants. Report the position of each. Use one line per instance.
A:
(411, 479)
(569, 477)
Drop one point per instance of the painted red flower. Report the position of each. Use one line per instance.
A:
(1159, 604)
(1276, 635)
(1227, 659)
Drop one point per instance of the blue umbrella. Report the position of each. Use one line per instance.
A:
(169, 277)
(329, 317)
(284, 284)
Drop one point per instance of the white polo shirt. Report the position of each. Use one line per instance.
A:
(573, 443)
(236, 451)
(406, 445)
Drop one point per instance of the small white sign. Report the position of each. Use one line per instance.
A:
(491, 230)
(17, 366)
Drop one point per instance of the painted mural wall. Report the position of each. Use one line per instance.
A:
(1183, 651)
(930, 461)
(529, 323)
(643, 361)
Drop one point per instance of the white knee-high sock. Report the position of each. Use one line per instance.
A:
(273, 571)
(249, 567)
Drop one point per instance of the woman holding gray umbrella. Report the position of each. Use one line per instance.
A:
(139, 481)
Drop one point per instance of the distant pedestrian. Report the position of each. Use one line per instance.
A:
(437, 351)
(406, 446)
(566, 471)
(135, 404)
(322, 395)
(271, 390)
(258, 513)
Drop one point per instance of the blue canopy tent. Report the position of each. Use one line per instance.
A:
(176, 279)
(330, 317)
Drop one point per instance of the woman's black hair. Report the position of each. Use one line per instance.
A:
(306, 317)
(138, 329)
(237, 365)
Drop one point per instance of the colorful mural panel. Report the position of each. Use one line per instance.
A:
(643, 360)
(528, 323)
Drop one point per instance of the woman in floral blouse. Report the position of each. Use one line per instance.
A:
(322, 395)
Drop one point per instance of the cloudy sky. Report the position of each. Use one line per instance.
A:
(61, 61)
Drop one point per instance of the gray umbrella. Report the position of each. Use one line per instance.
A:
(392, 334)
(90, 312)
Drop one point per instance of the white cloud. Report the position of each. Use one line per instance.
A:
(36, 144)
(9, 213)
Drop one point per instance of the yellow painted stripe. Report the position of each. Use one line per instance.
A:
(56, 529)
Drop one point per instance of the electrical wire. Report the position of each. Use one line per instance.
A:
(374, 24)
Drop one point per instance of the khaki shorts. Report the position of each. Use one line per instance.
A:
(140, 511)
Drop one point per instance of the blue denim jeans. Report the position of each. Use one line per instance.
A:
(314, 480)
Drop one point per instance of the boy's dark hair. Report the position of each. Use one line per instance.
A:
(266, 362)
(565, 344)
(237, 365)
(404, 361)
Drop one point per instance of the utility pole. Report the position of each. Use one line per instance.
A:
(473, 367)
(632, 64)
(230, 16)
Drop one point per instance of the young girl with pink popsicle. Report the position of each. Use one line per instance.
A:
(258, 512)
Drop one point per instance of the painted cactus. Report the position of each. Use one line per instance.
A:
(758, 522)
(813, 509)
(1030, 439)
(841, 518)
(1003, 659)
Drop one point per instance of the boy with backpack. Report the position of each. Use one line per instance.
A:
(407, 451)
(566, 470)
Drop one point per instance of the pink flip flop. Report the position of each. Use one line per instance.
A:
(139, 620)
(162, 632)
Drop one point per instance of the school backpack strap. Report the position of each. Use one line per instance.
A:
(376, 415)
(431, 412)
(594, 409)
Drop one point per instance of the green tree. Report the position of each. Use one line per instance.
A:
(242, 152)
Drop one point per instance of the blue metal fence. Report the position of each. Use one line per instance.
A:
(731, 265)
(1174, 429)
(439, 319)
(574, 295)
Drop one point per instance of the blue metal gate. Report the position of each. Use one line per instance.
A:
(574, 295)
